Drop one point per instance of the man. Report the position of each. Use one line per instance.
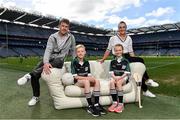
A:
(59, 45)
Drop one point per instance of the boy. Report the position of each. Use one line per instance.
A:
(80, 68)
(119, 70)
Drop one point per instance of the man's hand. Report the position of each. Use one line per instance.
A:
(46, 68)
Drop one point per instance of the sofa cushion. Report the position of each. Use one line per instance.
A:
(75, 91)
(67, 79)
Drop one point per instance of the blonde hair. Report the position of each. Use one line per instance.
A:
(80, 46)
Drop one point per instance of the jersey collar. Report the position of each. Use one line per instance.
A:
(119, 59)
(77, 60)
(120, 38)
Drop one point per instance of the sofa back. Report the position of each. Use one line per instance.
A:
(101, 71)
(98, 70)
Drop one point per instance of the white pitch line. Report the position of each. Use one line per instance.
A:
(161, 65)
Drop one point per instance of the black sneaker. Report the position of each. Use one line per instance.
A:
(101, 109)
(93, 111)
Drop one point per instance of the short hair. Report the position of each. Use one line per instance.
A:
(122, 22)
(80, 46)
(64, 20)
(119, 45)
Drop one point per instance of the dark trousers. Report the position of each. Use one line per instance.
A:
(36, 74)
(145, 76)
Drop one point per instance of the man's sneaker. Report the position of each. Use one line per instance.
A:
(152, 83)
(112, 107)
(149, 94)
(93, 111)
(119, 108)
(101, 109)
(33, 101)
(23, 80)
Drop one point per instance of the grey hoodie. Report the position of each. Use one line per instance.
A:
(55, 50)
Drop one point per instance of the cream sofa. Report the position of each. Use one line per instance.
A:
(72, 96)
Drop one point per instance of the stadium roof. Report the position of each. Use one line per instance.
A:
(156, 28)
(36, 19)
(19, 16)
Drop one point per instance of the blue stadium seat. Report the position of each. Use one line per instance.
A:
(32, 41)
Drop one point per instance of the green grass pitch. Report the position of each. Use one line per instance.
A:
(13, 98)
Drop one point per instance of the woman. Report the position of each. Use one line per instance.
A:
(122, 38)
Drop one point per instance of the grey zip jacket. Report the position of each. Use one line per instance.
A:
(53, 50)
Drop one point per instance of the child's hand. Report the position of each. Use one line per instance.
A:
(90, 78)
(76, 77)
(119, 78)
(116, 78)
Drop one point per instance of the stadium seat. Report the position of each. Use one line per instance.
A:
(173, 52)
(72, 96)
(24, 51)
(7, 53)
(30, 38)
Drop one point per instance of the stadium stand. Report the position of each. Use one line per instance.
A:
(7, 52)
(26, 34)
(161, 43)
(157, 40)
(31, 41)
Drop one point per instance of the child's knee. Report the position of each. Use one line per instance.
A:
(86, 83)
(119, 83)
(112, 82)
(97, 82)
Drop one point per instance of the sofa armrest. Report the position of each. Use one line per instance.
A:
(54, 83)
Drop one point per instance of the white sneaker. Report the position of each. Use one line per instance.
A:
(23, 80)
(152, 83)
(33, 101)
(149, 94)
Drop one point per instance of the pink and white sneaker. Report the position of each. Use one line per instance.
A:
(119, 108)
(112, 107)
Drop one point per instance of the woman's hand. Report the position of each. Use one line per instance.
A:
(106, 54)
(101, 61)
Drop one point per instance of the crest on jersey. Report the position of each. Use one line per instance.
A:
(123, 67)
(86, 68)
